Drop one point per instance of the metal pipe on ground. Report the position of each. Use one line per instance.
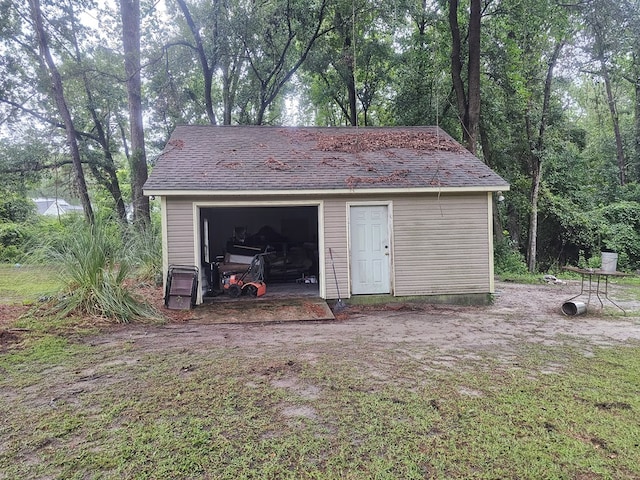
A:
(572, 308)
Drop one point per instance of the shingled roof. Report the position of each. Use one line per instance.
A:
(235, 159)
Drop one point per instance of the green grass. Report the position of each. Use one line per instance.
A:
(528, 278)
(632, 288)
(536, 278)
(26, 283)
(76, 411)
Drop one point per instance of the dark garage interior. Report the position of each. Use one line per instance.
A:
(284, 238)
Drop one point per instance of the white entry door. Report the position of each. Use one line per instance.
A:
(369, 227)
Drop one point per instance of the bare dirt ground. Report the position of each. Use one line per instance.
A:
(386, 344)
(521, 314)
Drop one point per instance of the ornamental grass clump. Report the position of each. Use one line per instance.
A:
(144, 253)
(94, 270)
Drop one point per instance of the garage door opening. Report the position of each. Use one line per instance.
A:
(288, 235)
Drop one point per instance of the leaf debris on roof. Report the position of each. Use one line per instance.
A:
(276, 164)
(300, 159)
(395, 176)
(372, 141)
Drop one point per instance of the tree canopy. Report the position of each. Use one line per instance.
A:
(547, 93)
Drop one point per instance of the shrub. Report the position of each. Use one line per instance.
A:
(93, 271)
(13, 237)
(14, 208)
(621, 232)
(144, 252)
(10, 254)
(507, 258)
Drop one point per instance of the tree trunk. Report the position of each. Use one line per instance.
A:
(622, 177)
(353, 106)
(273, 78)
(110, 181)
(227, 102)
(532, 248)
(349, 56)
(346, 69)
(105, 172)
(130, 12)
(231, 66)
(487, 153)
(261, 112)
(468, 101)
(58, 93)
(473, 92)
(456, 64)
(600, 50)
(537, 146)
(637, 128)
(207, 70)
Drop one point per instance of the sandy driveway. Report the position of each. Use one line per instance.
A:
(521, 314)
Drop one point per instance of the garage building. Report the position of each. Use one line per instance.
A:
(398, 211)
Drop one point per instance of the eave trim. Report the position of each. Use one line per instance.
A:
(320, 192)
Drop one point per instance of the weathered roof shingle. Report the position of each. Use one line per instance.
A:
(237, 158)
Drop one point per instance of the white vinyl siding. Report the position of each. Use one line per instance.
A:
(441, 245)
(180, 232)
(335, 237)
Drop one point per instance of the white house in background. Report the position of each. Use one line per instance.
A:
(55, 206)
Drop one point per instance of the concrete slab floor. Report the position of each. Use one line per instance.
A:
(274, 291)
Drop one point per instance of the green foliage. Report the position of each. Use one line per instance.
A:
(43, 231)
(12, 235)
(20, 159)
(580, 233)
(144, 252)
(48, 350)
(341, 69)
(35, 241)
(566, 228)
(394, 59)
(631, 191)
(422, 81)
(507, 259)
(621, 232)
(594, 261)
(15, 208)
(10, 253)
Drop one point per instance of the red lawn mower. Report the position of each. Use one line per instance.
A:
(250, 282)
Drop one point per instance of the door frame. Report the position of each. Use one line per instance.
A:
(198, 205)
(372, 203)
